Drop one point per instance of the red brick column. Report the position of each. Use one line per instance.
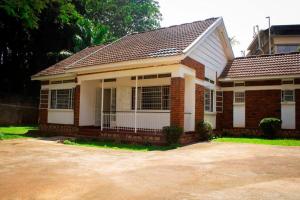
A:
(76, 105)
(199, 110)
(225, 120)
(177, 101)
(199, 67)
(297, 99)
(43, 108)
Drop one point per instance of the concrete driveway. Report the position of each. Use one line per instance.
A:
(36, 169)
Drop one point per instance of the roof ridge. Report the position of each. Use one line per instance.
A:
(166, 27)
(267, 55)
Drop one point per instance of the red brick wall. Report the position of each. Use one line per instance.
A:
(76, 105)
(43, 108)
(261, 104)
(177, 101)
(200, 68)
(225, 119)
(199, 111)
(297, 98)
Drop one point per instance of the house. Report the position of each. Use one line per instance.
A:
(130, 89)
(257, 87)
(284, 39)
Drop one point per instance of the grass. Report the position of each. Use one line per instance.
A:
(278, 142)
(14, 132)
(119, 146)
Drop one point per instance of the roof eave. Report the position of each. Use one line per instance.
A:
(258, 78)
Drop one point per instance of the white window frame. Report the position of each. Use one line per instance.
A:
(283, 96)
(210, 94)
(239, 97)
(239, 83)
(70, 99)
(291, 80)
(140, 102)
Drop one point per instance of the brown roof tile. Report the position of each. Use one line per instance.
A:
(161, 42)
(265, 65)
(59, 68)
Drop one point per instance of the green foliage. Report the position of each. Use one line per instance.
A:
(14, 132)
(36, 34)
(118, 146)
(270, 126)
(204, 129)
(172, 134)
(279, 142)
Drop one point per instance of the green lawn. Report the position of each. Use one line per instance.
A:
(279, 142)
(13, 132)
(113, 145)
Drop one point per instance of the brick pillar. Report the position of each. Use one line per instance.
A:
(76, 105)
(297, 99)
(226, 119)
(199, 110)
(43, 108)
(177, 101)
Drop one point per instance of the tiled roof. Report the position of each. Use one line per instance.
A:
(161, 42)
(265, 65)
(59, 68)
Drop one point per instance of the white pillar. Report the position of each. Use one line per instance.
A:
(102, 94)
(135, 105)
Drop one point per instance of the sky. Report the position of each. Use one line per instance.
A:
(239, 15)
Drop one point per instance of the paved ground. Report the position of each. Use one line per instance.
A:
(36, 169)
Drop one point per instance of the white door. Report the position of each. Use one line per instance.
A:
(239, 115)
(109, 106)
(288, 116)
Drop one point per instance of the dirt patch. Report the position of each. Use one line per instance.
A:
(37, 169)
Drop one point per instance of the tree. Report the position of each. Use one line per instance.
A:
(38, 33)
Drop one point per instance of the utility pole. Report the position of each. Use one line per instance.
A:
(269, 20)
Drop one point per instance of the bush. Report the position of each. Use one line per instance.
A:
(204, 129)
(270, 126)
(1, 136)
(172, 134)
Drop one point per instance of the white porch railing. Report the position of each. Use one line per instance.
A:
(144, 121)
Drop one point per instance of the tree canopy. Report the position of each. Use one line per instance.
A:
(38, 33)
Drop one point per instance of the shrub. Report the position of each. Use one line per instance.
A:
(172, 134)
(204, 129)
(1, 136)
(270, 126)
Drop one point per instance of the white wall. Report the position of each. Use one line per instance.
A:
(288, 115)
(87, 102)
(211, 118)
(189, 104)
(238, 115)
(62, 116)
(211, 54)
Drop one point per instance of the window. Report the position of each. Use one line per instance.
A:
(287, 81)
(239, 97)
(62, 99)
(151, 98)
(236, 84)
(209, 100)
(286, 48)
(287, 95)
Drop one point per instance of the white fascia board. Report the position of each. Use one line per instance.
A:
(262, 87)
(56, 76)
(258, 78)
(202, 37)
(133, 63)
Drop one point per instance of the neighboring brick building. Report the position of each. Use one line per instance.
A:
(257, 87)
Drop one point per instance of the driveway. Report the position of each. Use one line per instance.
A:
(37, 169)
